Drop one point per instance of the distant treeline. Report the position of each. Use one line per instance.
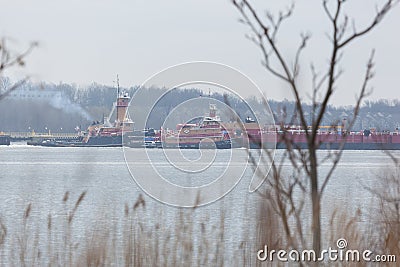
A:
(63, 107)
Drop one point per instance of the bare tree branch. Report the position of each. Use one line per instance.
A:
(266, 35)
(369, 74)
(381, 13)
(7, 60)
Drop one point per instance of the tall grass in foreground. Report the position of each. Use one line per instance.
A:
(130, 240)
(387, 216)
(113, 241)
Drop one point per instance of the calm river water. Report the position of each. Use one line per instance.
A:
(42, 175)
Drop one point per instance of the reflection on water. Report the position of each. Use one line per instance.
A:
(41, 176)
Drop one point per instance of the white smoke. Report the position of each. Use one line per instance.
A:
(62, 102)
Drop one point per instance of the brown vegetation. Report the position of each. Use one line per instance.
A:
(134, 241)
(113, 241)
(264, 33)
(386, 218)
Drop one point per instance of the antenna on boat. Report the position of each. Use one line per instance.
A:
(117, 85)
(117, 94)
(210, 106)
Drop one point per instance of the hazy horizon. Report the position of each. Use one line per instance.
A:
(92, 41)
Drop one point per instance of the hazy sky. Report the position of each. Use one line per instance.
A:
(89, 41)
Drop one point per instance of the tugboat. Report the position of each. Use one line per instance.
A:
(107, 134)
(201, 132)
(102, 134)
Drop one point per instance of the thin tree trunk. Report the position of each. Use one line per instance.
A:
(315, 199)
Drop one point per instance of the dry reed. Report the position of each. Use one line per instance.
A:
(188, 241)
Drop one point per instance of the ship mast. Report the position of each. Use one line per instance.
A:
(122, 106)
(117, 93)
